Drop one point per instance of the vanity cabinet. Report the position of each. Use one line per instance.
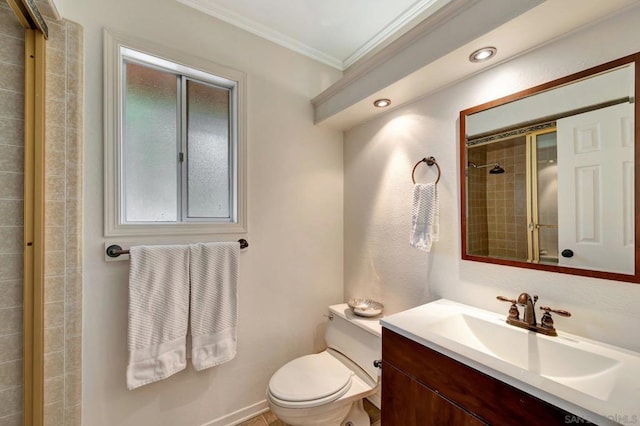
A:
(422, 387)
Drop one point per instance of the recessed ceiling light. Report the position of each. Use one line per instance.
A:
(483, 54)
(382, 103)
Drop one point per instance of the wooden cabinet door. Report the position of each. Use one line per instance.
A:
(405, 402)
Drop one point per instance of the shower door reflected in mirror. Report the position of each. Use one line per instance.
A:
(548, 175)
(514, 203)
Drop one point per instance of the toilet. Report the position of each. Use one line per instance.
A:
(328, 388)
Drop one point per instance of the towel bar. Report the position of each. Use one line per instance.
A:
(115, 250)
(430, 162)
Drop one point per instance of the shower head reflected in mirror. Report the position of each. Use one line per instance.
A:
(496, 169)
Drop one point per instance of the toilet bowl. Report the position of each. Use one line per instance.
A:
(328, 388)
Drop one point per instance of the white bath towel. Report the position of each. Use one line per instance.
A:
(214, 303)
(158, 312)
(426, 215)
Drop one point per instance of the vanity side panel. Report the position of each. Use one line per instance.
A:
(491, 400)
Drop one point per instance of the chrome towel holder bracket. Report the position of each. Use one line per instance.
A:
(430, 161)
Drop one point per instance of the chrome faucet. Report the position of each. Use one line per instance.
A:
(529, 304)
(529, 321)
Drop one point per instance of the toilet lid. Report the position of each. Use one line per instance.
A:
(310, 377)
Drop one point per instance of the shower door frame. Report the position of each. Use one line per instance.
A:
(36, 32)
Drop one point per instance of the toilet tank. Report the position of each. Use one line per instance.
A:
(358, 338)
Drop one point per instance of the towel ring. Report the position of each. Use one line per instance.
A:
(430, 162)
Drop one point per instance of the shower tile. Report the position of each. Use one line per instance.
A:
(55, 113)
(12, 49)
(73, 289)
(10, 320)
(54, 414)
(9, 25)
(57, 36)
(11, 237)
(74, 112)
(11, 158)
(10, 267)
(54, 238)
(11, 131)
(53, 389)
(72, 415)
(11, 185)
(54, 213)
(55, 164)
(54, 314)
(54, 188)
(54, 288)
(73, 321)
(10, 347)
(53, 339)
(13, 420)
(73, 386)
(56, 86)
(12, 77)
(10, 374)
(54, 263)
(12, 104)
(11, 401)
(55, 139)
(10, 293)
(56, 62)
(73, 355)
(53, 364)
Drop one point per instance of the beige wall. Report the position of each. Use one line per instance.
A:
(11, 214)
(293, 268)
(378, 158)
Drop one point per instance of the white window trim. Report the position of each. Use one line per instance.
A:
(113, 224)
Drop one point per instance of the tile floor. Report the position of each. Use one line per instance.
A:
(269, 419)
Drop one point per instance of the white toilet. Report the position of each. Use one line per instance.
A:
(328, 388)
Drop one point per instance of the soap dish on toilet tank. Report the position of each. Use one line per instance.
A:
(365, 307)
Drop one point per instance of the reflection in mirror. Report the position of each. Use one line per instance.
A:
(548, 176)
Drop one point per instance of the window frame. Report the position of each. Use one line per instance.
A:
(117, 49)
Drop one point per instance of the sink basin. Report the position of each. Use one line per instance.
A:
(552, 358)
(592, 379)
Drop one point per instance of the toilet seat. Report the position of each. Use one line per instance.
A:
(310, 381)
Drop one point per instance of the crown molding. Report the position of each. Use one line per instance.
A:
(263, 31)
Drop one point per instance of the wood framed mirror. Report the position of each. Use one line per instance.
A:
(548, 175)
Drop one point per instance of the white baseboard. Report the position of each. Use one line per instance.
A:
(241, 415)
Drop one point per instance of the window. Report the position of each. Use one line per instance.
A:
(174, 159)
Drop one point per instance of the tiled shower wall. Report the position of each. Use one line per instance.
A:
(11, 214)
(497, 203)
(63, 274)
(507, 200)
(63, 221)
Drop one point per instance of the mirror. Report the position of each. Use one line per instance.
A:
(548, 175)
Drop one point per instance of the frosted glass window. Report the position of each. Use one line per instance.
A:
(208, 151)
(150, 143)
(175, 144)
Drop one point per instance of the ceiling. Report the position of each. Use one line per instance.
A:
(335, 32)
(402, 49)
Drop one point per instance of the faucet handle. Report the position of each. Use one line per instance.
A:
(513, 310)
(556, 311)
(506, 299)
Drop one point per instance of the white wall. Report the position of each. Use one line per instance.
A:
(379, 156)
(293, 268)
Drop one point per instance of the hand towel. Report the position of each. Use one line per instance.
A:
(214, 303)
(158, 313)
(426, 216)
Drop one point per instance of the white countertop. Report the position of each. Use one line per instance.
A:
(610, 396)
